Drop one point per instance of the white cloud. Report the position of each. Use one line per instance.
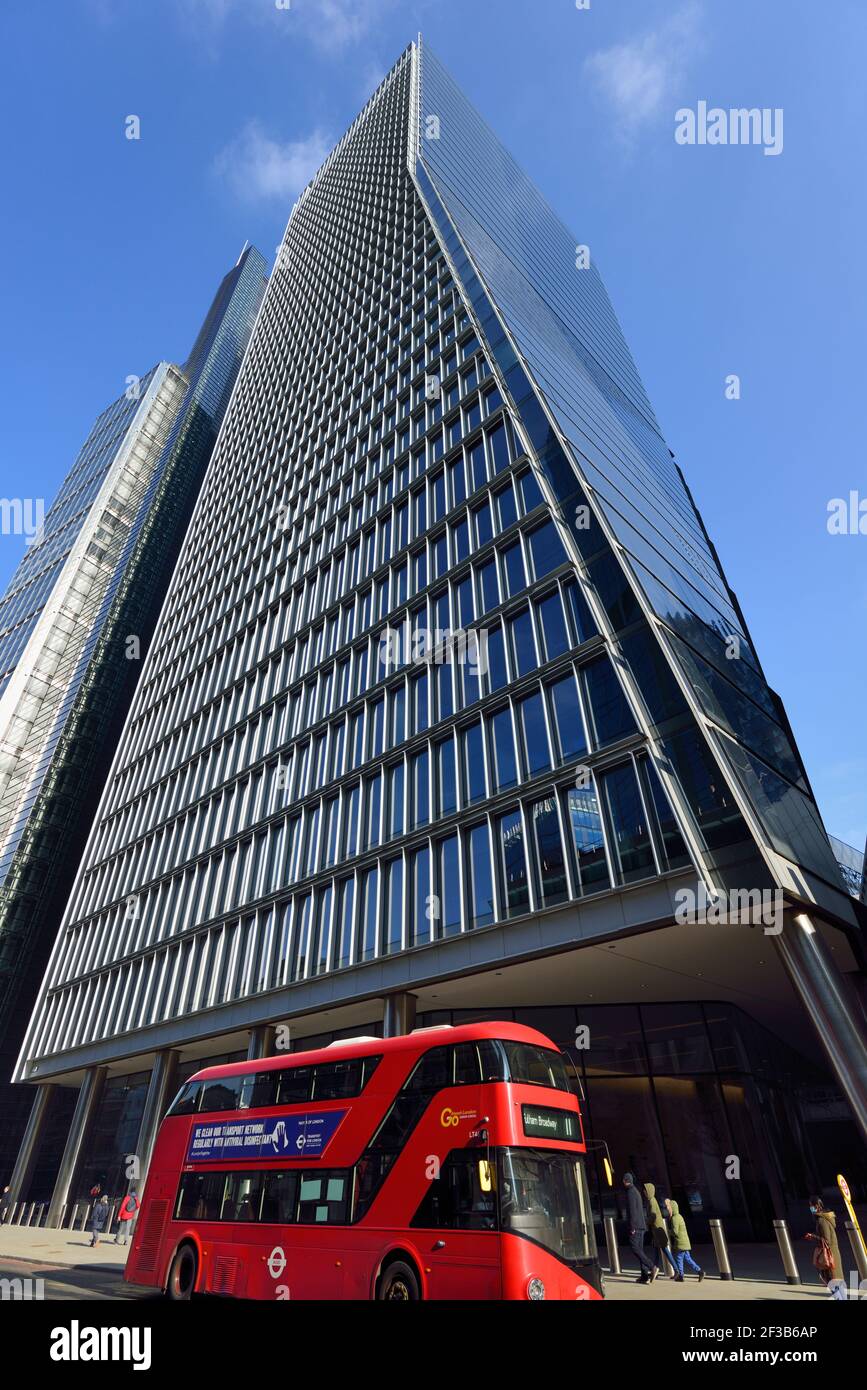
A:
(335, 23)
(637, 78)
(257, 167)
(331, 25)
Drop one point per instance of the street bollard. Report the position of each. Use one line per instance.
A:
(30, 1213)
(61, 1216)
(39, 1213)
(857, 1251)
(720, 1248)
(71, 1226)
(14, 1215)
(611, 1242)
(787, 1254)
(84, 1216)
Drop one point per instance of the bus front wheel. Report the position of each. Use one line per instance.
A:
(399, 1284)
(182, 1275)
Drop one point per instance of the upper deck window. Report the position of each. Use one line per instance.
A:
(339, 1080)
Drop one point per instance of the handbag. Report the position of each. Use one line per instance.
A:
(823, 1256)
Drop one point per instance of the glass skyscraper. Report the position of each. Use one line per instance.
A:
(449, 698)
(74, 622)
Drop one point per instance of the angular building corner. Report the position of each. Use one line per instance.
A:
(449, 712)
(628, 519)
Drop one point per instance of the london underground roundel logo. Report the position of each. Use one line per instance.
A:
(276, 1262)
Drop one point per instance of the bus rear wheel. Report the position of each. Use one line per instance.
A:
(182, 1275)
(398, 1284)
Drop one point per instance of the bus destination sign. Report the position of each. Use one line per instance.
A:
(543, 1122)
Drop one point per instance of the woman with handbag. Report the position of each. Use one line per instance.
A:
(826, 1256)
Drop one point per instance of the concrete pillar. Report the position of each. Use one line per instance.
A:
(29, 1150)
(88, 1099)
(398, 1015)
(160, 1095)
(835, 1013)
(261, 1042)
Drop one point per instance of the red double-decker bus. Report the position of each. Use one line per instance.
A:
(446, 1164)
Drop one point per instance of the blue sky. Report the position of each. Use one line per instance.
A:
(719, 260)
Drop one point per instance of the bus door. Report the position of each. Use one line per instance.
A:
(456, 1229)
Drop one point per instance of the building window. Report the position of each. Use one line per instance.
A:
(481, 882)
(588, 839)
(631, 835)
(531, 713)
(513, 864)
(611, 715)
(449, 886)
(548, 849)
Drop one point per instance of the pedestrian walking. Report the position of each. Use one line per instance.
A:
(98, 1219)
(826, 1256)
(126, 1218)
(658, 1231)
(680, 1242)
(636, 1225)
(5, 1203)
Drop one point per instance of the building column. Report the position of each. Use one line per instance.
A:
(261, 1042)
(157, 1101)
(88, 1099)
(837, 1017)
(19, 1183)
(398, 1015)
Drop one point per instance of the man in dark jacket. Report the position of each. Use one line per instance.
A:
(636, 1225)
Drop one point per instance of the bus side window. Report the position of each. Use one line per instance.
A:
(335, 1080)
(462, 1198)
(186, 1102)
(323, 1198)
(221, 1095)
(200, 1197)
(433, 1071)
(467, 1069)
(243, 1197)
(295, 1085)
(280, 1197)
(259, 1090)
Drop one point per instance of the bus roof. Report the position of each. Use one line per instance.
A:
(418, 1041)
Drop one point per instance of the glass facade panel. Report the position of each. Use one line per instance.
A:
(631, 834)
(550, 858)
(481, 882)
(513, 863)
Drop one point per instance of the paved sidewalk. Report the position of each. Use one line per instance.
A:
(758, 1275)
(60, 1247)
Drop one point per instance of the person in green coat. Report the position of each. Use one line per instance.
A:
(826, 1229)
(680, 1242)
(658, 1231)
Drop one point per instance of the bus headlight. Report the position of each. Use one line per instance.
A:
(535, 1289)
